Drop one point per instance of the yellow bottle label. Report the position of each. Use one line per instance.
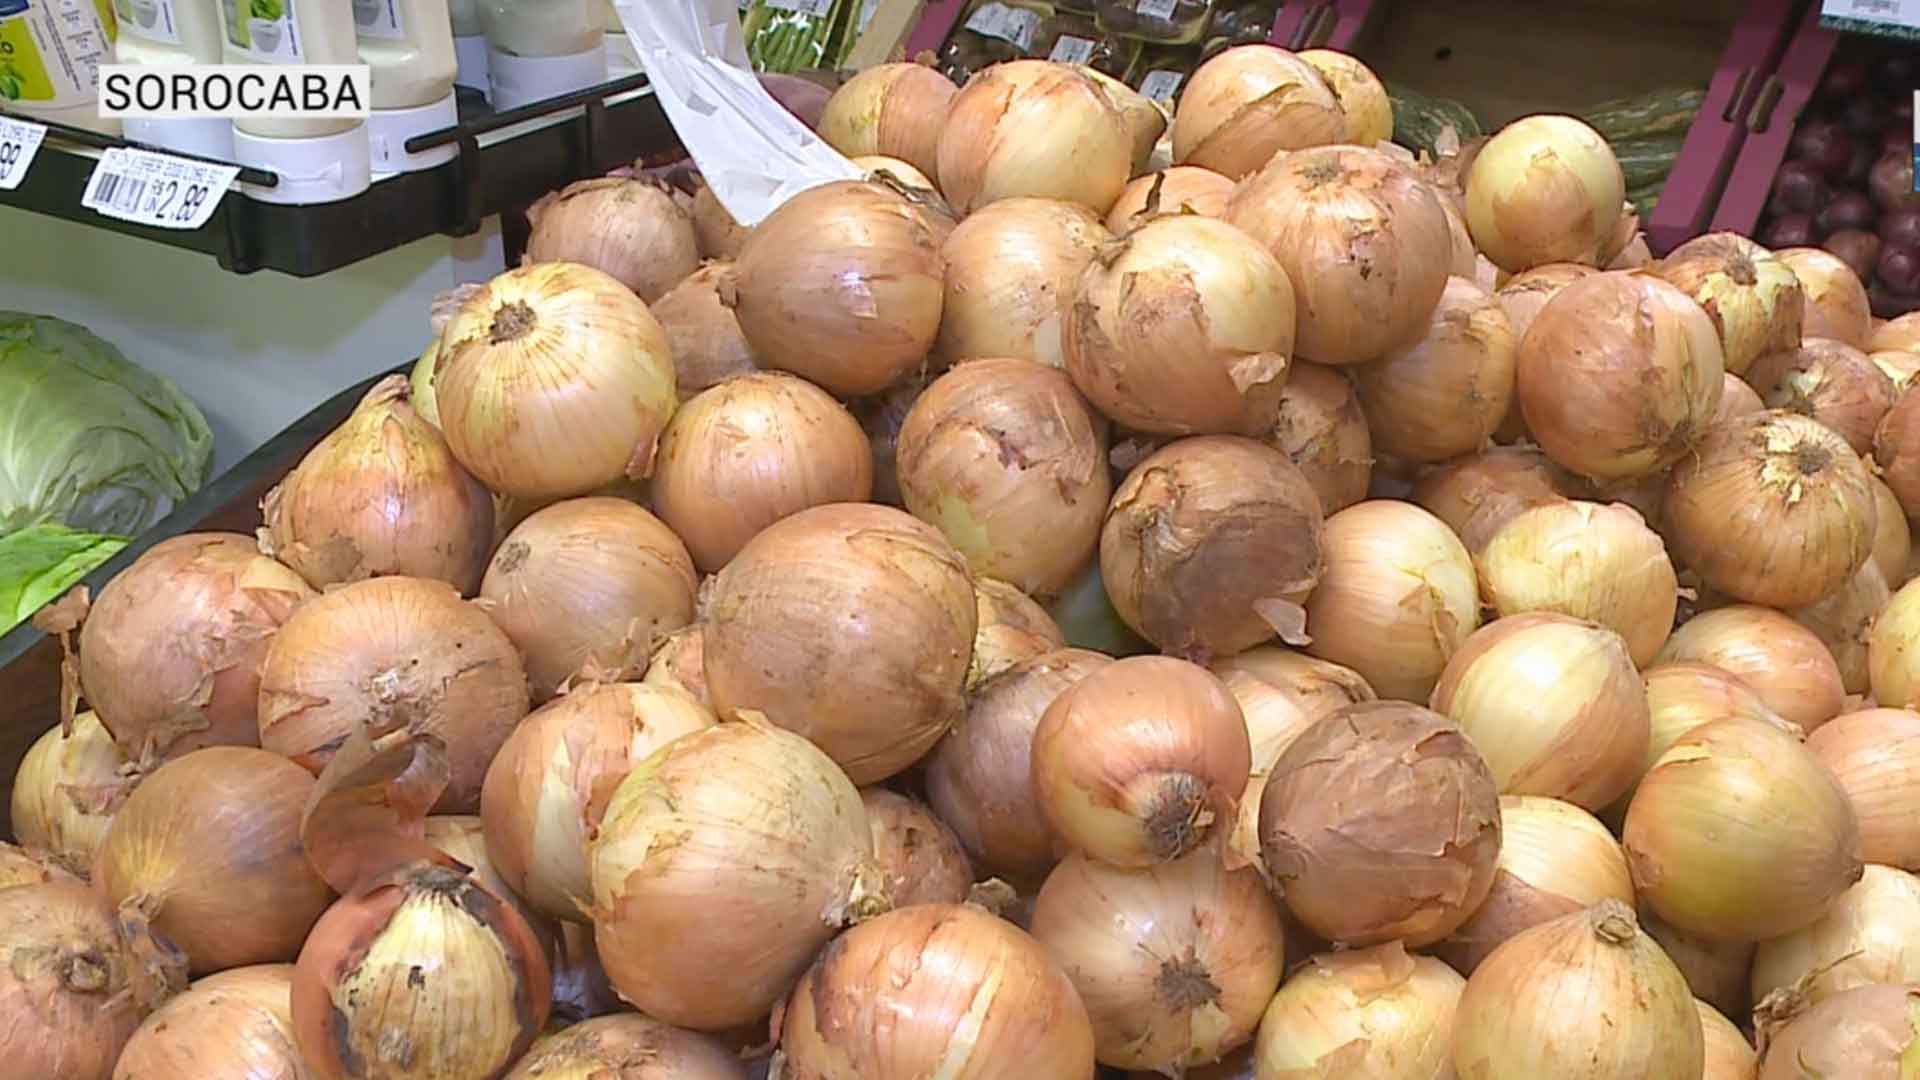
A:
(51, 50)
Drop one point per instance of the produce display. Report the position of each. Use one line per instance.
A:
(1304, 610)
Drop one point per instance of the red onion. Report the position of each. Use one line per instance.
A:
(1899, 268)
(1847, 210)
(1901, 226)
(1798, 188)
(1844, 80)
(1863, 114)
(1823, 144)
(1789, 230)
(1857, 248)
(1891, 181)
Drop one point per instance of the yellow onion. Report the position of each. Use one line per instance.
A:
(20, 866)
(628, 1046)
(841, 285)
(1369, 112)
(1870, 935)
(772, 856)
(1202, 512)
(892, 109)
(1145, 119)
(1032, 128)
(1739, 833)
(720, 236)
(1729, 1055)
(1844, 620)
(935, 990)
(1753, 298)
(1137, 762)
(1553, 703)
(66, 791)
(1716, 971)
(1587, 560)
(679, 662)
(1618, 375)
(1446, 393)
(1900, 365)
(1736, 399)
(1786, 664)
(1466, 261)
(1836, 302)
(1364, 242)
(879, 167)
(1378, 1012)
(1381, 821)
(381, 494)
(1875, 755)
(205, 861)
(1832, 382)
(751, 451)
(702, 332)
(1005, 459)
(631, 229)
(1898, 333)
(420, 384)
(1248, 103)
(1544, 189)
(1555, 859)
(1896, 451)
(1635, 1015)
(919, 855)
(1175, 964)
(1398, 597)
(1010, 266)
(65, 983)
(1870, 1031)
(1011, 627)
(1522, 296)
(1317, 686)
(1477, 495)
(463, 838)
(1683, 695)
(238, 1023)
(1274, 717)
(1183, 326)
(1178, 189)
(876, 692)
(1321, 428)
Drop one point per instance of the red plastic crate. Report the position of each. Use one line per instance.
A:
(1770, 122)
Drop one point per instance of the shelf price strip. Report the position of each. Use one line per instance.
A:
(1888, 18)
(19, 142)
(156, 189)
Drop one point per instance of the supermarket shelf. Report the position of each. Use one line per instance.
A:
(1879, 18)
(1770, 123)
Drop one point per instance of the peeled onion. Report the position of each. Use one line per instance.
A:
(1321, 428)
(1445, 394)
(238, 1023)
(1844, 620)
(1870, 935)
(1589, 561)
(616, 1046)
(66, 791)
(1178, 189)
(1249, 102)
(920, 857)
(1875, 755)
(702, 332)
(1782, 661)
(1477, 495)
(1753, 298)
(891, 109)
(1011, 628)
(1834, 383)
(1365, 1012)
(1368, 109)
(1033, 128)
(631, 229)
(1836, 304)
(64, 983)
(1868, 1031)
(1896, 450)
(1010, 266)
(1544, 189)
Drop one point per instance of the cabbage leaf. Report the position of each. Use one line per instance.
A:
(40, 562)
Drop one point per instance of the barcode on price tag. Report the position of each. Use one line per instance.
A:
(19, 141)
(1014, 25)
(1155, 9)
(1160, 86)
(156, 189)
(821, 8)
(1071, 50)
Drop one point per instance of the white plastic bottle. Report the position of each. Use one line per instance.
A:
(469, 44)
(622, 58)
(408, 46)
(161, 33)
(316, 160)
(50, 57)
(538, 49)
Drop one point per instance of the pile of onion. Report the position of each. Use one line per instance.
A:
(721, 237)
(1274, 718)
(1365, 1012)
(919, 857)
(1522, 296)
(1867, 1031)
(66, 791)
(1875, 755)
(680, 662)
(632, 229)
(1009, 267)
(1729, 1055)
(1844, 621)
(896, 110)
(1753, 298)
(1832, 382)
(1364, 242)
(1683, 695)
(1587, 560)
(1037, 129)
(1896, 450)
(1836, 302)
(1477, 495)
(875, 693)
(554, 380)
(702, 332)
(615, 1046)
(1445, 394)
(744, 454)
(1786, 664)
(1179, 189)
(1202, 512)
(1871, 934)
(1381, 821)
(1363, 98)
(1248, 103)
(463, 838)
(1012, 628)
(65, 983)
(1322, 429)
(1716, 971)
(1145, 120)
(1544, 189)
(1006, 460)
(238, 1023)
(1900, 365)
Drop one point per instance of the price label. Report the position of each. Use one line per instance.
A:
(1071, 50)
(156, 189)
(820, 8)
(1161, 86)
(1016, 26)
(1894, 18)
(19, 141)
(1155, 9)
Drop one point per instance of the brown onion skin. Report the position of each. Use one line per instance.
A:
(1445, 394)
(1477, 494)
(1201, 511)
(1381, 821)
(703, 332)
(394, 653)
(1753, 298)
(171, 652)
(1736, 399)
(1322, 429)
(1896, 450)
(64, 984)
(1864, 1032)
(1248, 104)
(1834, 383)
(1844, 620)
(66, 791)
(1182, 189)
(1785, 663)
(921, 857)
(1012, 628)
(988, 150)
(207, 852)
(892, 996)
(1836, 301)
(1010, 265)
(1525, 293)
(627, 1047)
(632, 229)
(238, 1024)
(22, 866)
(680, 661)
(1875, 755)
(719, 235)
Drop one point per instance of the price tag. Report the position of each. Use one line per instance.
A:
(820, 8)
(156, 189)
(1161, 86)
(1155, 9)
(1071, 50)
(1017, 26)
(1893, 18)
(19, 141)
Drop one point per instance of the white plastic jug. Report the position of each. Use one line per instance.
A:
(50, 57)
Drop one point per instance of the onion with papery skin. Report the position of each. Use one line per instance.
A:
(1037, 129)
(1618, 375)
(1875, 755)
(934, 990)
(1544, 189)
(894, 171)
(841, 285)
(1368, 109)
(1317, 686)
(891, 109)
(1381, 821)
(1773, 508)
(1466, 261)
(1870, 1031)
(1246, 104)
(1836, 302)
(1191, 988)
(66, 791)
(1522, 296)
(1896, 451)
(875, 692)
(1011, 628)
(1553, 704)
(1006, 460)
(20, 866)
(1844, 620)
(381, 494)
(551, 779)
(632, 229)
(420, 383)
(1736, 399)
(720, 236)
(1738, 832)
(1477, 495)
(1184, 326)
(1145, 119)
(630, 1047)
(774, 855)
(1322, 429)
(1364, 243)
(1274, 717)
(1200, 512)
(1010, 267)
(463, 838)
(1179, 189)
(1753, 298)
(1683, 695)
(679, 662)
(205, 859)
(920, 857)
(1870, 935)
(1716, 971)
(1378, 1012)
(1893, 537)
(703, 333)
(1444, 394)
(747, 453)
(1832, 382)
(1786, 664)
(1899, 333)
(1636, 1016)
(1398, 597)
(64, 983)
(1587, 560)
(1899, 365)
(237, 1024)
